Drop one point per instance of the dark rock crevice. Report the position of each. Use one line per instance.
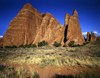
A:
(65, 33)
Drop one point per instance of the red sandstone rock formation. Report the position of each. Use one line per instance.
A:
(88, 36)
(98, 37)
(73, 29)
(1, 41)
(23, 28)
(31, 27)
(93, 37)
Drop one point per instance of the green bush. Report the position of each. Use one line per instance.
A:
(27, 46)
(56, 44)
(85, 43)
(8, 46)
(33, 45)
(1, 47)
(11, 46)
(21, 46)
(42, 43)
(14, 46)
(71, 43)
(64, 46)
(77, 45)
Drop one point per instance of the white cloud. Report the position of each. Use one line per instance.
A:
(1, 36)
(84, 33)
(95, 32)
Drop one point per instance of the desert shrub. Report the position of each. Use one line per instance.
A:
(1, 47)
(64, 46)
(33, 45)
(14, 46)
(77, 45)
(97, 42)
(56, 44)
(19, 72)
(42, 43)
(27, 46)
(85, 43)
(71, 43)
(76, 50)
(8, 46)
(21, 46)
(74, 55)
(88, 74)
(82, 74)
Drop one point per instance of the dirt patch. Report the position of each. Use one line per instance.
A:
(50, 71)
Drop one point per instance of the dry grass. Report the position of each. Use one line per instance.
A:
(55, 56)
(88, 55)
(19, 72)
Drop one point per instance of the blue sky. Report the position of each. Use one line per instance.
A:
(88, 12)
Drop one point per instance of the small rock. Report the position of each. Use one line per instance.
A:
(60, 54)
(31, 53)
(47, 54)
(90, 66)
(52, 53)
(27, 57)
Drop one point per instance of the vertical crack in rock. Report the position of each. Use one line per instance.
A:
(65, 33)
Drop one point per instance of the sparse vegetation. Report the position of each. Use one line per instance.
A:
(64, 46)
(82, 74)
(88, 56)
(19, 72)
(97, 42)
(11, 46)
(33, 45)
(77, 45)
(71, 43)
(76, 50)
(42, 43)
(85, 43)
(21, 46)
(56, 44)
(27, 46)
(14, 46)
(88, 74)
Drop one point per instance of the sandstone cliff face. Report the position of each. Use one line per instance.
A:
(1, 41)
(22, 29)
(88, 36)
(31, 27)
(73, 29)
(93, 37)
